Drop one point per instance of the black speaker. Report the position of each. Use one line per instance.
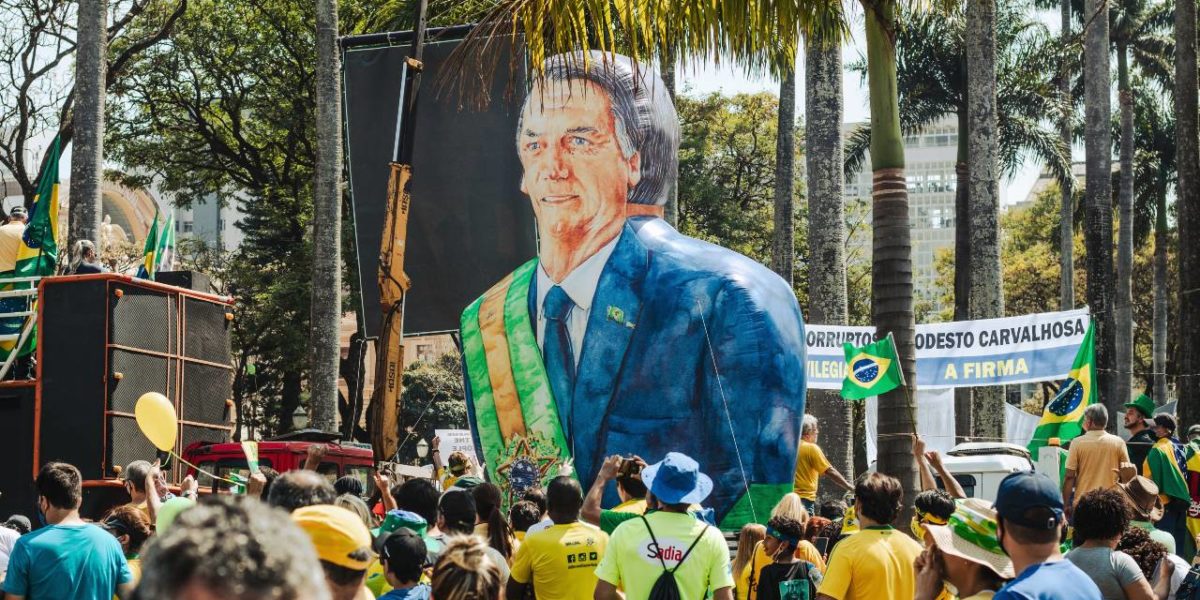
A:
(17, 470)
(188, 280)
(105, 340)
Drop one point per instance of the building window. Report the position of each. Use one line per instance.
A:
(425, 352)
(220, 224)
(187, 226)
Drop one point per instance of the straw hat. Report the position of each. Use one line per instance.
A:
(971, 535)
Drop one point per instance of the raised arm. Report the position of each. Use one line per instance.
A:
(591, 503)
(951, 484)
(918, 450)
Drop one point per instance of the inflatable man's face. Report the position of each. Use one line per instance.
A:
(578, 165)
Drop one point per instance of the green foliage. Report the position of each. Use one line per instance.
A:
(433, 398)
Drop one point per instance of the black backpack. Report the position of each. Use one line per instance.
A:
(665, 587)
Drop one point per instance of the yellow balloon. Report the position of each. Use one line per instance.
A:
(156, 417)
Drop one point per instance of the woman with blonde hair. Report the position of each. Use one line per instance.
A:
(464, 571)
(791, 506)
(748, 540)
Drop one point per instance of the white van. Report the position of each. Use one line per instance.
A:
(980, 466)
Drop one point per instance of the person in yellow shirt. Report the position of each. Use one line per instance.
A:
(131, 528)
(877, 562)
(559, 561)
(789, 507)
(811, 464)
(965, 553)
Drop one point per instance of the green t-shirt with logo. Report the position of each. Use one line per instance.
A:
(632, 560)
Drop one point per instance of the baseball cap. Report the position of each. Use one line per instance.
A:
(677, 479)
(404, 547)
(395, 521)
(1194, 430)
(1167, 421)
(17, 211)
(457, 507)
(1022, 494)
(336, 533)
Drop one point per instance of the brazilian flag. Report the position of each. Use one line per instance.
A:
(150, 251)
(37, 256)
(1063, 416)
(1162, 466)
(871, 370)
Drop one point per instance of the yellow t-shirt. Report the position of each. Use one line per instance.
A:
(874, 564)
(810, 463)
(10, 244)
(561, 560)
(636, 506)
(1094, 456)
(752, 572)
(630, 564)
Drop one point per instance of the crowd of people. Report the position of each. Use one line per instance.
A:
(301, 535)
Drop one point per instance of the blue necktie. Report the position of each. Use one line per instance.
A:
(557, 354)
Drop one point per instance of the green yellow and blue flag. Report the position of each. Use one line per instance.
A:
(871, 370)
(149, 250)
(1063, 416)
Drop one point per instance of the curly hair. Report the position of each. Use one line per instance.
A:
(1100, 515)
(815, 528)
(789, 527)
(935, 502)
(128, 520)
(465, 572)
(1145, 552)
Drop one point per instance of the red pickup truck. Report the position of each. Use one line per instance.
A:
(223, 459)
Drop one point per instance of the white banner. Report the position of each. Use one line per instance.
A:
(456, 440)
(1039, 347)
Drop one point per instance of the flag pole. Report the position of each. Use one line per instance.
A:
(912, 407)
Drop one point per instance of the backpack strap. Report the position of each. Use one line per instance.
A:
(689, 550)
(655, 540)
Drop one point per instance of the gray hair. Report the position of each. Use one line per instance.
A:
(235, 547)
(644, 115)
(1097, 415)
(809, 425)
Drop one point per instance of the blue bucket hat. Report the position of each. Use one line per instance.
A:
(677, 479)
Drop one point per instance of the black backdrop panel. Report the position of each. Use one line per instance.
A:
(469, 225)
(16, 470)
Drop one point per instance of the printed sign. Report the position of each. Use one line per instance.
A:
(456, 440)
(1039, 347)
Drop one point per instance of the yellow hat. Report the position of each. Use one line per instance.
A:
(336, 533)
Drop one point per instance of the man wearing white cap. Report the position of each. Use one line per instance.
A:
(965, 553)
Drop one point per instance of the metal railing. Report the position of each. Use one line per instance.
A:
(29, 315)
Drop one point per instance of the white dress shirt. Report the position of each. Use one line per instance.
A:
(580, 285)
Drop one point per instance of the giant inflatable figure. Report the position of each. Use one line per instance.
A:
(624, 336)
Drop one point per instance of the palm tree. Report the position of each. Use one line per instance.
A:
(1154, 172)
(1066, 227)
(987, 294)
(1137, 33)
(891, 281)
(1097, 80)
(932, 79)
(327, 220)
(1187, 149)
(784, 236)
(827, 303)
(87, 155)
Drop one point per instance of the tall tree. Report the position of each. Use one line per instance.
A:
(87, 155)
(1098, 196)
(1066, 245)
(987, 294)
(667, 69)
(827, 303)
(327, 224)
(1154, 172)
(1137, 40)
(784, 239)
(891, 283)
(1187, 149)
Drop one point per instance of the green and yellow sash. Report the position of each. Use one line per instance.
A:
(515, 414)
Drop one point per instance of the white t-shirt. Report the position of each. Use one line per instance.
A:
(1177, 574)
(8, 539)
(540, 526)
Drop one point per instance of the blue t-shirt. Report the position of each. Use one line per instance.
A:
(1059, 580)
(419, 592)
(79, 561)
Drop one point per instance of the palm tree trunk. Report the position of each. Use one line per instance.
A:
(1122, 302)
(963, 398)
(1098, 222)
(987, 294)
(671, 210)
(1187, 155)
(87, 155)
(1066, 227)
(327, 221)
(1159, 346)
(891, 281)
(827, 234)
(784, 237)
